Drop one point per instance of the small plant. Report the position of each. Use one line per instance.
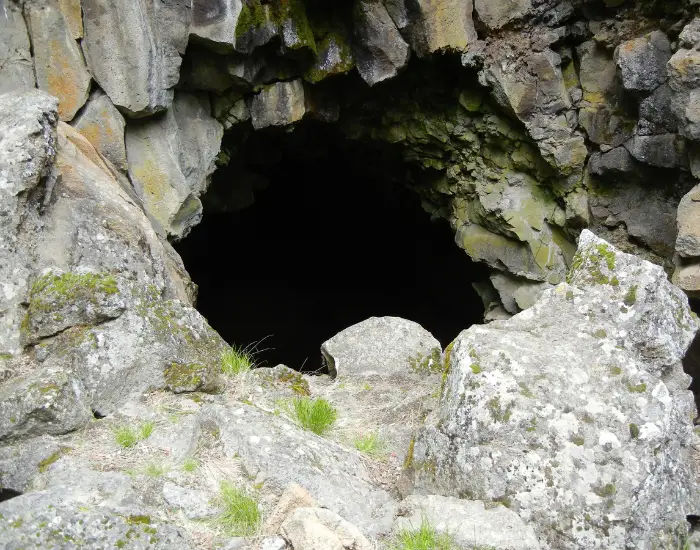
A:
(155, 469)
(126, 436)
(424, 538)
(370, 444)
(316, 415)
(190, 464)
(235, 361)
(240, 515)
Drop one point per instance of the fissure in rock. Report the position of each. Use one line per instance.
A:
(306, 233)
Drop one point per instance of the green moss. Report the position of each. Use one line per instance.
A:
(637, 388)
(600, 333)
(634, 431)
(476, 368)
(53, 457)
(498, 412)
(606, 490)
(607, 254)
(631, 296)
(297, 382)
(533, 425)
(525, 390)
(138, 520)
(253, 15)
(615, 370)
(446, 365)
(408, 461)
(504, 501)
(577, 440)
(69, 284)
(424, 364)
(179, 376)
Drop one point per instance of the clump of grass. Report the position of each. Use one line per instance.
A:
(240, 512)
(190, 464)
(370, 444)
(236, 360)
(127, 436)
(316, 415)
(155, 469)
(425, 537)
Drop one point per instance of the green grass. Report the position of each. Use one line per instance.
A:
(127, 436)
(235, 361)
(423, 538)
(155, 469)
(316, 415)
(370, 444)
(241, 515)
(190, 464)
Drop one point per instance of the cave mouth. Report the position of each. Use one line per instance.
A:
(306, 232)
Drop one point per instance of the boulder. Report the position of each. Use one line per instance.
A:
(663, 151)
(103, 126)
(642, 61)
(278, 104)
(443, 25)
(294, 496)
(379, 50)
(58, 61)
(195, 504)
(575, 412)
(16, 67)
(684, 80)
(214, 22)
(275, 452)
(73, 16)
(171, 160)
(381, 346)
(320, 529)
(688, 241)
(152, 36)
(469, 523)
(498, 14)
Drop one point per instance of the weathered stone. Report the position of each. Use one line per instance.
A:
(214, 22)
(273, 450)
(567, 449)
(259, 22)
(16, 67)
(103, 126)
(194, 504)
(294, 496)
(614, 163)
(688, 241)
(684, 80)
(515, 293)
(73, 16)
(278, 104)
(498, 14)
(58, 61)
(380, 51)
(27, 151)
(687, 276)
(171, 160)
(203, 69)
(152, 36)
(643, 61)
(46, 401)
(442, 25)
(469, 523)
(690, 35)
(319, 529)
(384, 346)
(664, 151)
(656, 114)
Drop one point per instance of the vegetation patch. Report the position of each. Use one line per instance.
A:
(240, 514)
(53, 457)
(128, 436)
(426, 537)
(425, 364)
(235, 361)
(498, 412)
(634, 431)
(637, 388)
(190, 464)
(370, 444)
(184, 377)
(631, 296)
(316, 415)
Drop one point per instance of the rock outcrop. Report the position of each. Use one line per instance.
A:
(575, 413)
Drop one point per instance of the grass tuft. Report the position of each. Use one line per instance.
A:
(316, 415)
(423, 538)
(235, 361)
(155, 469)
(127, 436)
(241, 515)
(370, 444)
(190, 464)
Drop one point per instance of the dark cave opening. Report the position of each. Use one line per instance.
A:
(332, 237)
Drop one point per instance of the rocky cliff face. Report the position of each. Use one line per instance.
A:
(521, 122)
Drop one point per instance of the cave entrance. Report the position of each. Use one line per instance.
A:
(306, 233)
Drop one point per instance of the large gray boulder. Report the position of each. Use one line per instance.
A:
(139, 65)
(278, 104)
(58, 61)
(379, 49)
(642, 61)
(575, 413)
(16, 69)
(171, 159)
(214, 22)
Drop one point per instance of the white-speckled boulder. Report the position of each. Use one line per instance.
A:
(575, 413)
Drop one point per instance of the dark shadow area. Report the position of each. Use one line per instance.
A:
(7, 494)
(333, 237)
